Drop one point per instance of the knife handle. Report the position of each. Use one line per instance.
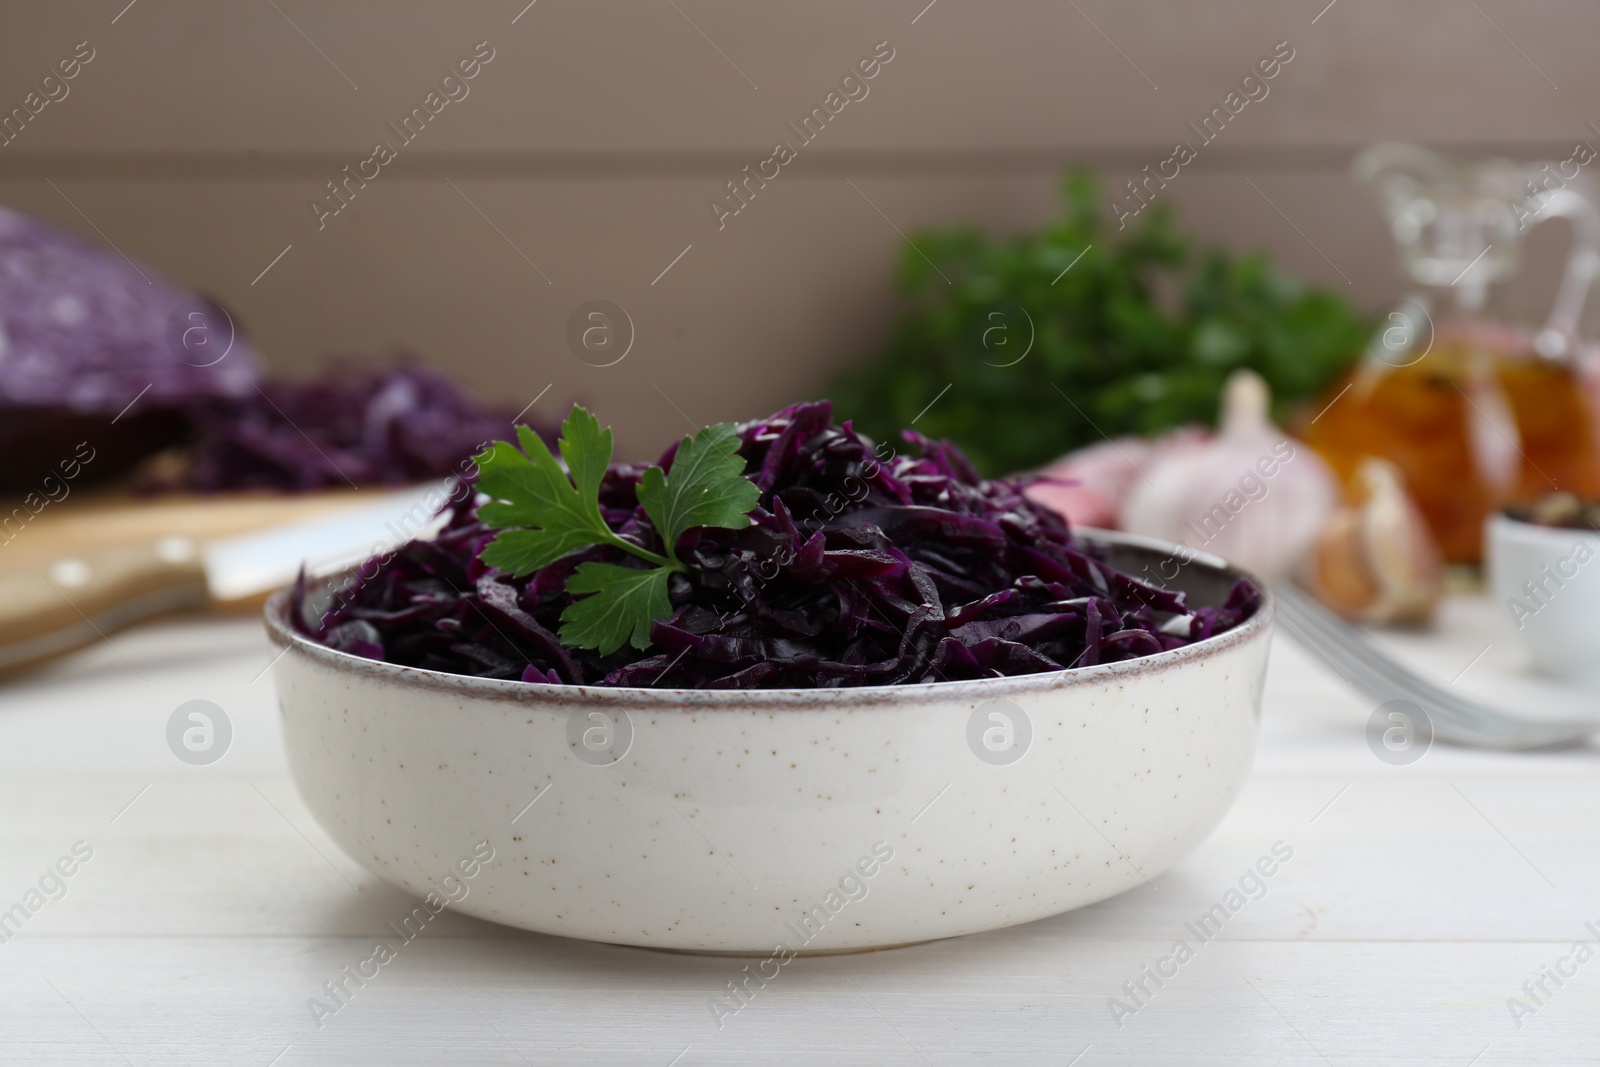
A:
(77, 600)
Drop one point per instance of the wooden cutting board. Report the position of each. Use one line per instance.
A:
(116, 518)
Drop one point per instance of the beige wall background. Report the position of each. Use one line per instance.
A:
(580, 164)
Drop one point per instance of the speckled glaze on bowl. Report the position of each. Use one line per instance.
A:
(816, 820)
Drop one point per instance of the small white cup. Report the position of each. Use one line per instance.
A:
(1545, 581)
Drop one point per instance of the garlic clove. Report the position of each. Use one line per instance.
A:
(1375, 561)
(1337, 571)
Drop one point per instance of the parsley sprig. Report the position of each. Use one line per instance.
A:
(544, 512)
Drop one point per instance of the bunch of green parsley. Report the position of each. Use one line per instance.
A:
(1136, 337)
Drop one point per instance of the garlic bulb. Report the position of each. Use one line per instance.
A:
(1087, 487)
(1251, 495)
(1375, 561)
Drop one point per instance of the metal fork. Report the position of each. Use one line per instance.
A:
(1453, 719)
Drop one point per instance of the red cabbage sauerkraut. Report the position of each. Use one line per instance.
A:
(866, 565)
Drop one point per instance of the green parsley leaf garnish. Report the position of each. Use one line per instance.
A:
(544, 513)
(707, 487)
(626, 601)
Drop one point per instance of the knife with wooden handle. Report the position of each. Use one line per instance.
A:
(75, 600)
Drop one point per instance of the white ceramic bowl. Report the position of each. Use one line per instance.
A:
(1545, 581)
(739, 821)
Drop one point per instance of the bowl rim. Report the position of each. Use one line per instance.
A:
(1501, 525)
(502, 690)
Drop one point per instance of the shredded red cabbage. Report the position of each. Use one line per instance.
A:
(352, 425)
(862, 567)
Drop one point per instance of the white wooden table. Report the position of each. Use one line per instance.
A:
(1418, 900)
